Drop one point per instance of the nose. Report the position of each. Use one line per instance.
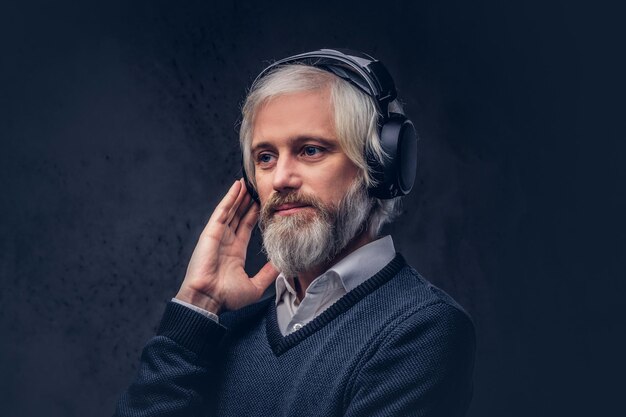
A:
(286, 177)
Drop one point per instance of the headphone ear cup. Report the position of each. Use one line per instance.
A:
(250, 187)
(396, 176)
(407, 157)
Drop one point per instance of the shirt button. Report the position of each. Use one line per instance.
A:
(297, 326)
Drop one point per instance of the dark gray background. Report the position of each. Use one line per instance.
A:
(118, 137)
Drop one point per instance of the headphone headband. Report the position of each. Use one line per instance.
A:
(361, 70)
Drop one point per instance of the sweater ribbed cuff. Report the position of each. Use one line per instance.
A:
(190, 329)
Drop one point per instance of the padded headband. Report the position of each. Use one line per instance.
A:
(361, 70)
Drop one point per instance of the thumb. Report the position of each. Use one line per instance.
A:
(265, 276)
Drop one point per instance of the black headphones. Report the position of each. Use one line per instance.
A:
(398, 138)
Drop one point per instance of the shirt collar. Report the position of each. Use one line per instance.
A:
(352, 270)
(282, 286)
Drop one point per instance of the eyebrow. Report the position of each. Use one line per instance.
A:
(297, 140)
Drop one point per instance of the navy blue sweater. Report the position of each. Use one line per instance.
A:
(394, 346)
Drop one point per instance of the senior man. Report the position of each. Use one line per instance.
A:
(351, 330)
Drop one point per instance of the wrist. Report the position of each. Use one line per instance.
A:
(201, 300)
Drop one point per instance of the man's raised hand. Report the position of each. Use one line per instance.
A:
(215, 278)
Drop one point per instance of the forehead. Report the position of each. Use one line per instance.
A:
(295, 115)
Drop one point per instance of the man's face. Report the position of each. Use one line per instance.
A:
(296, 151)
(312, 201)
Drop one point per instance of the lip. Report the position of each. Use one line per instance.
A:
(286, 209)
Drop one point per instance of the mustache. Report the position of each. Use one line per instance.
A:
(278, 199)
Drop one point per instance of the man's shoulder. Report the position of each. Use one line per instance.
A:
(426, 288)
(409, 293)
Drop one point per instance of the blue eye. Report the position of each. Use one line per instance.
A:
(311, 150)
(264, 160)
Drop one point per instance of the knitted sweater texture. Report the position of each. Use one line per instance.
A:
(393, 346)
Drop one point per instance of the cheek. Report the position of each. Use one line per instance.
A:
(346, 173)
(333, 183)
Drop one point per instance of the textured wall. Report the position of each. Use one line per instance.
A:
(118, 134)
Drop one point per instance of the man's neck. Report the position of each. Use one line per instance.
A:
(304, 279)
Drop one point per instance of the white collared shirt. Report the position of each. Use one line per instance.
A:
(329, 287)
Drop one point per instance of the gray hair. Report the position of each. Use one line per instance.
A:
(355, 117)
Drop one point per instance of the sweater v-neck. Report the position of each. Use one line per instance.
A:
(280, 344)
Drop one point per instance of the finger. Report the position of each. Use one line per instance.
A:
(265, 277)
(248, 221)
(237, 205)
(244, 205)
(221, 212)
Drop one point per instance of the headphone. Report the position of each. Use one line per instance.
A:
(398, 138)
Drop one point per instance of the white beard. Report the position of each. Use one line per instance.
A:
(301, 241)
